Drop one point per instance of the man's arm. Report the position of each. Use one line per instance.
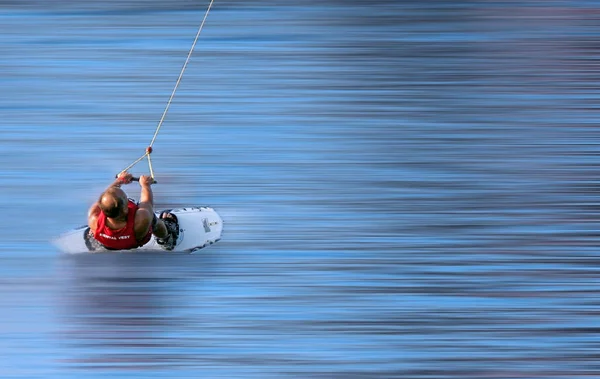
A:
(145, 212)
(122, 178)
(93, 214)
(146, 197)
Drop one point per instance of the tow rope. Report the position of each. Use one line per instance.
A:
(164, 114)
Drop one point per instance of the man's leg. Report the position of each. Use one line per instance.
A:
(158, 228)
(170, 226)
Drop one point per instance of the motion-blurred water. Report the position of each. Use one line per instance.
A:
(408, 188)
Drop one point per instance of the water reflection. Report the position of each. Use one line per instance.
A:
(118, 310)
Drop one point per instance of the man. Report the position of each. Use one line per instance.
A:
(117, 223)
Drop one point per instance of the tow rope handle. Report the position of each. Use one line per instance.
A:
(137, 179)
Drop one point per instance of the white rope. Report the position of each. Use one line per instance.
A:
(162, 118)
(133, 164)
(181, 74)
(150, 166)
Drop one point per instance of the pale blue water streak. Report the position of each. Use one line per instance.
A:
(408, 189)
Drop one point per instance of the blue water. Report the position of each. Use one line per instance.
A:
(408, 188)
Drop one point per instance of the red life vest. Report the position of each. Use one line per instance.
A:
(120, 239)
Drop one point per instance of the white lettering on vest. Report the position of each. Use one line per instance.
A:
(114, 238)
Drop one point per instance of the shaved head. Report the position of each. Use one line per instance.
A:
(112, 202)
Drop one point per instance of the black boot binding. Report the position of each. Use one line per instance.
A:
(172, 225)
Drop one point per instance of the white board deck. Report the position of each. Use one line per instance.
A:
(199, 227)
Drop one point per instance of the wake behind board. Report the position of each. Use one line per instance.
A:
(198, 227)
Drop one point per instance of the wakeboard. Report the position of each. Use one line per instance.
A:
(199, 227)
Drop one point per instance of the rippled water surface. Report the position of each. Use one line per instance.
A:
(408, 188)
